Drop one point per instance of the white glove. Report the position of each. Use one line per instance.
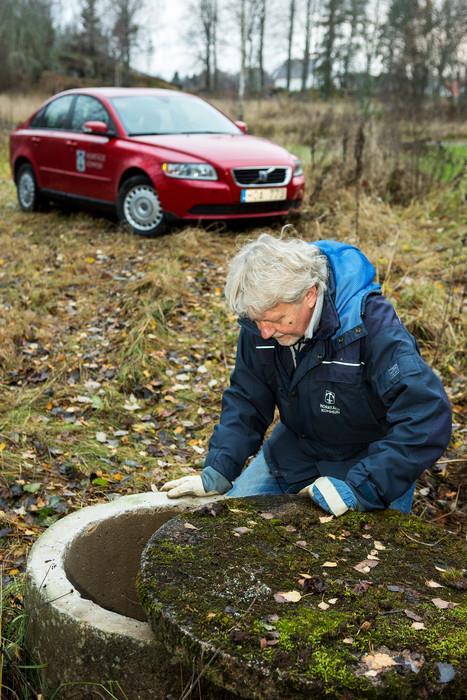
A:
(186, 486)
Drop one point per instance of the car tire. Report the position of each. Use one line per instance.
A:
(29, 195)
(140, 208)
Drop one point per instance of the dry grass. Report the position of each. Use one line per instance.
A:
(16, 107)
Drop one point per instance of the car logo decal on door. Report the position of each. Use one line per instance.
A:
(81, 161)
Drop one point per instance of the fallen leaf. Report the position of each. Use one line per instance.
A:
(362, 586)
(378, 661)
(32, 488)
(314, 584)
(287, 596)
(242, 530)
(189, 526)
(433, 584)
(332, 601)
(413, 616)
(101, 437)
(417, 625)
(267, 516)
(366, 565)
(348, 640)
(446, 672)
(443, 604)
(379, 545)
(329, 564)
(326, 518)
(323, 605)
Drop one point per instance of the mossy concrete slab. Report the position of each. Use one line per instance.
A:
(380, 605)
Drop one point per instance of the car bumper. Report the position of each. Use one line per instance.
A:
(220, 200)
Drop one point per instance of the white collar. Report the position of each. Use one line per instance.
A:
(316, 316)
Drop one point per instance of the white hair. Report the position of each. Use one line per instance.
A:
(269, 271)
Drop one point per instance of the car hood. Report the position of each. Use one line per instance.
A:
(222, 149)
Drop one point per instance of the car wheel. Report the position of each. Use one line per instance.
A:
(29, 196)
(139, 206)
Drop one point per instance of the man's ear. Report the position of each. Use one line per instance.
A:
(311, 297)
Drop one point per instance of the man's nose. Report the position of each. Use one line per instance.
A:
(265, 329)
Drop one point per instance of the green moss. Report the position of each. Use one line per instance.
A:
(451, 575)
(219, 588)
(309, 626)
(334, 672)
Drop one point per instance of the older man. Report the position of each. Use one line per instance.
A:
(361, 414)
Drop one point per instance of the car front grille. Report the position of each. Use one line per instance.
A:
(261, 176)
(246, 208)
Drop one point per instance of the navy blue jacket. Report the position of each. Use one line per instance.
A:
(361, 405)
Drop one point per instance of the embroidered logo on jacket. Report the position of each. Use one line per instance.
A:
(329, 403)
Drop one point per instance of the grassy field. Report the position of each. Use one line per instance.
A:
(114, 350)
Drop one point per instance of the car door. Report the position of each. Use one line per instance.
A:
(49, 134)
(92, 158)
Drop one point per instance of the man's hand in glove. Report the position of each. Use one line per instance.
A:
(186, 486)
(332, 495)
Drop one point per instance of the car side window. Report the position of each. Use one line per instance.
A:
(56, 115)
(88, 109)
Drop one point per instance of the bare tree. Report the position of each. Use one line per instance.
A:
(241, 77)
(309, 11)
(91, 37)
(261, 35)
(450, 33)
(290, 41)
(333, 18)
(204, 30)
(355, 14)
(125, 33)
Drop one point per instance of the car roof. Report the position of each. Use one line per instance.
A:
(121, 91)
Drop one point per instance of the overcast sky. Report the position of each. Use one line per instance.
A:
(167, 23)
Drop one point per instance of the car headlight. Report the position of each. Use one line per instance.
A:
(190, 171)
(297, 167)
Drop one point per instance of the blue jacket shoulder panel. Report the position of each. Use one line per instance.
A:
(352, 280)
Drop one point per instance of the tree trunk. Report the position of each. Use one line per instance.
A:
(262, 27)
(289, 50)
(241, 77)
(306, 51)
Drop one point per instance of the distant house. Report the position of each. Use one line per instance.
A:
(279, 76)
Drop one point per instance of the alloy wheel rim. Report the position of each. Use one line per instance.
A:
(142, 208)
(27, 188)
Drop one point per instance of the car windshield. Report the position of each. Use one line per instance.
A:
(142, 115)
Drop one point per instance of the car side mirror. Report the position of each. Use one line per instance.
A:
(242, 126)
(97, 127)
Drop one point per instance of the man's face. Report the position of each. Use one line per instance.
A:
(287, 322)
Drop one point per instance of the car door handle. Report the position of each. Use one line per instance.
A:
(70, 142)
(35, 139)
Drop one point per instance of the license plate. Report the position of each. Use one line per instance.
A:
(264, 194)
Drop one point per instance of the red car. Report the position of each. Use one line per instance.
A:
(153, 155)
